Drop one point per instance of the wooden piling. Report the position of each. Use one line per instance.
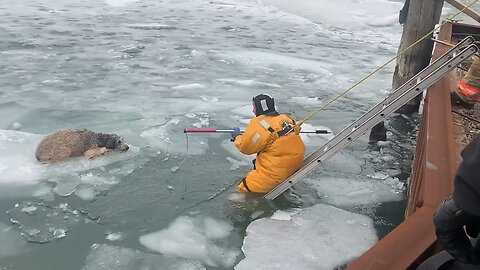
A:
(421, 18)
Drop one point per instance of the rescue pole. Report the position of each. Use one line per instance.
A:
(318, 131)
(420, 19)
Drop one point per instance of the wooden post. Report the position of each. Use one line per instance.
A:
(421, 18)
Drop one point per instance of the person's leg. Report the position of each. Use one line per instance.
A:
(440, 261)
(243, 186)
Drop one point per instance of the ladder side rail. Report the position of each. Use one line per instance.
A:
(452, 52)
(411, 82)
(330, 148)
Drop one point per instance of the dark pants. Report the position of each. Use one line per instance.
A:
(445, 261)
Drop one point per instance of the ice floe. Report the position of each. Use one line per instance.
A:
(107, 257)
(195, 239)
(318, 237)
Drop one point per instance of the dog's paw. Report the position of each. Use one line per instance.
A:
(96, 152)
(104, 151)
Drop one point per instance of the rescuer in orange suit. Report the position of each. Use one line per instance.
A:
(276, 141)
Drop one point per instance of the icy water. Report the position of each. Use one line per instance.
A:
(149, 69)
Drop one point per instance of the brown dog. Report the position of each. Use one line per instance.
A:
(67, 143)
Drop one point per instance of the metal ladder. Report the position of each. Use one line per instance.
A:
(413, 87)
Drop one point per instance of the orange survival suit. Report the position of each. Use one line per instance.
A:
(279, 147)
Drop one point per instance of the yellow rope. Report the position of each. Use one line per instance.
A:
(381, 67)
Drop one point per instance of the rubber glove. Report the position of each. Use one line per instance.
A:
(236, 131)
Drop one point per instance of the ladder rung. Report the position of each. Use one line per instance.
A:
(379, 112)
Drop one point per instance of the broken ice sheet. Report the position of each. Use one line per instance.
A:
(236, 163)
(322, 238)
(193, 238)
(65, 185)
(11, 243)
(353, 190)
(107, 257)
(44, 224)
(86, 193)
(114, 236)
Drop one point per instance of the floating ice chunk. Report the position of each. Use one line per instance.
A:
(322, 236)
(396, 185)
(284, 215)
(245, 110)
(12, 191)
(215, 229)
(16, 126)
(344, 162)
(11, 243)
(193, 238)
(94, 179)
(107, 257)
(18, 163)
(232, 150)
(388, 157)
(66, 185)
(59, 233)
(166, 138)
(52, 222)
(87, 186)
(341, 191)
(29, 209)
(237, 197)
(202, 123)
(378, 175)
(114, 236)
(86, 193)
(256, 214)
(33, 232)
(10, 112)
(383, 143)
(44, 193)
(236, 163)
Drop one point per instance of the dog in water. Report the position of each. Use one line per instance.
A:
(67, 143)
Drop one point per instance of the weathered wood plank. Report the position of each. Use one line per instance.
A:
(469, 12)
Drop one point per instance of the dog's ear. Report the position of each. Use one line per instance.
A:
(111, 142)
(107, 140)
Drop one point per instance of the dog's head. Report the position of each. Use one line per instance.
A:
(116, 142)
